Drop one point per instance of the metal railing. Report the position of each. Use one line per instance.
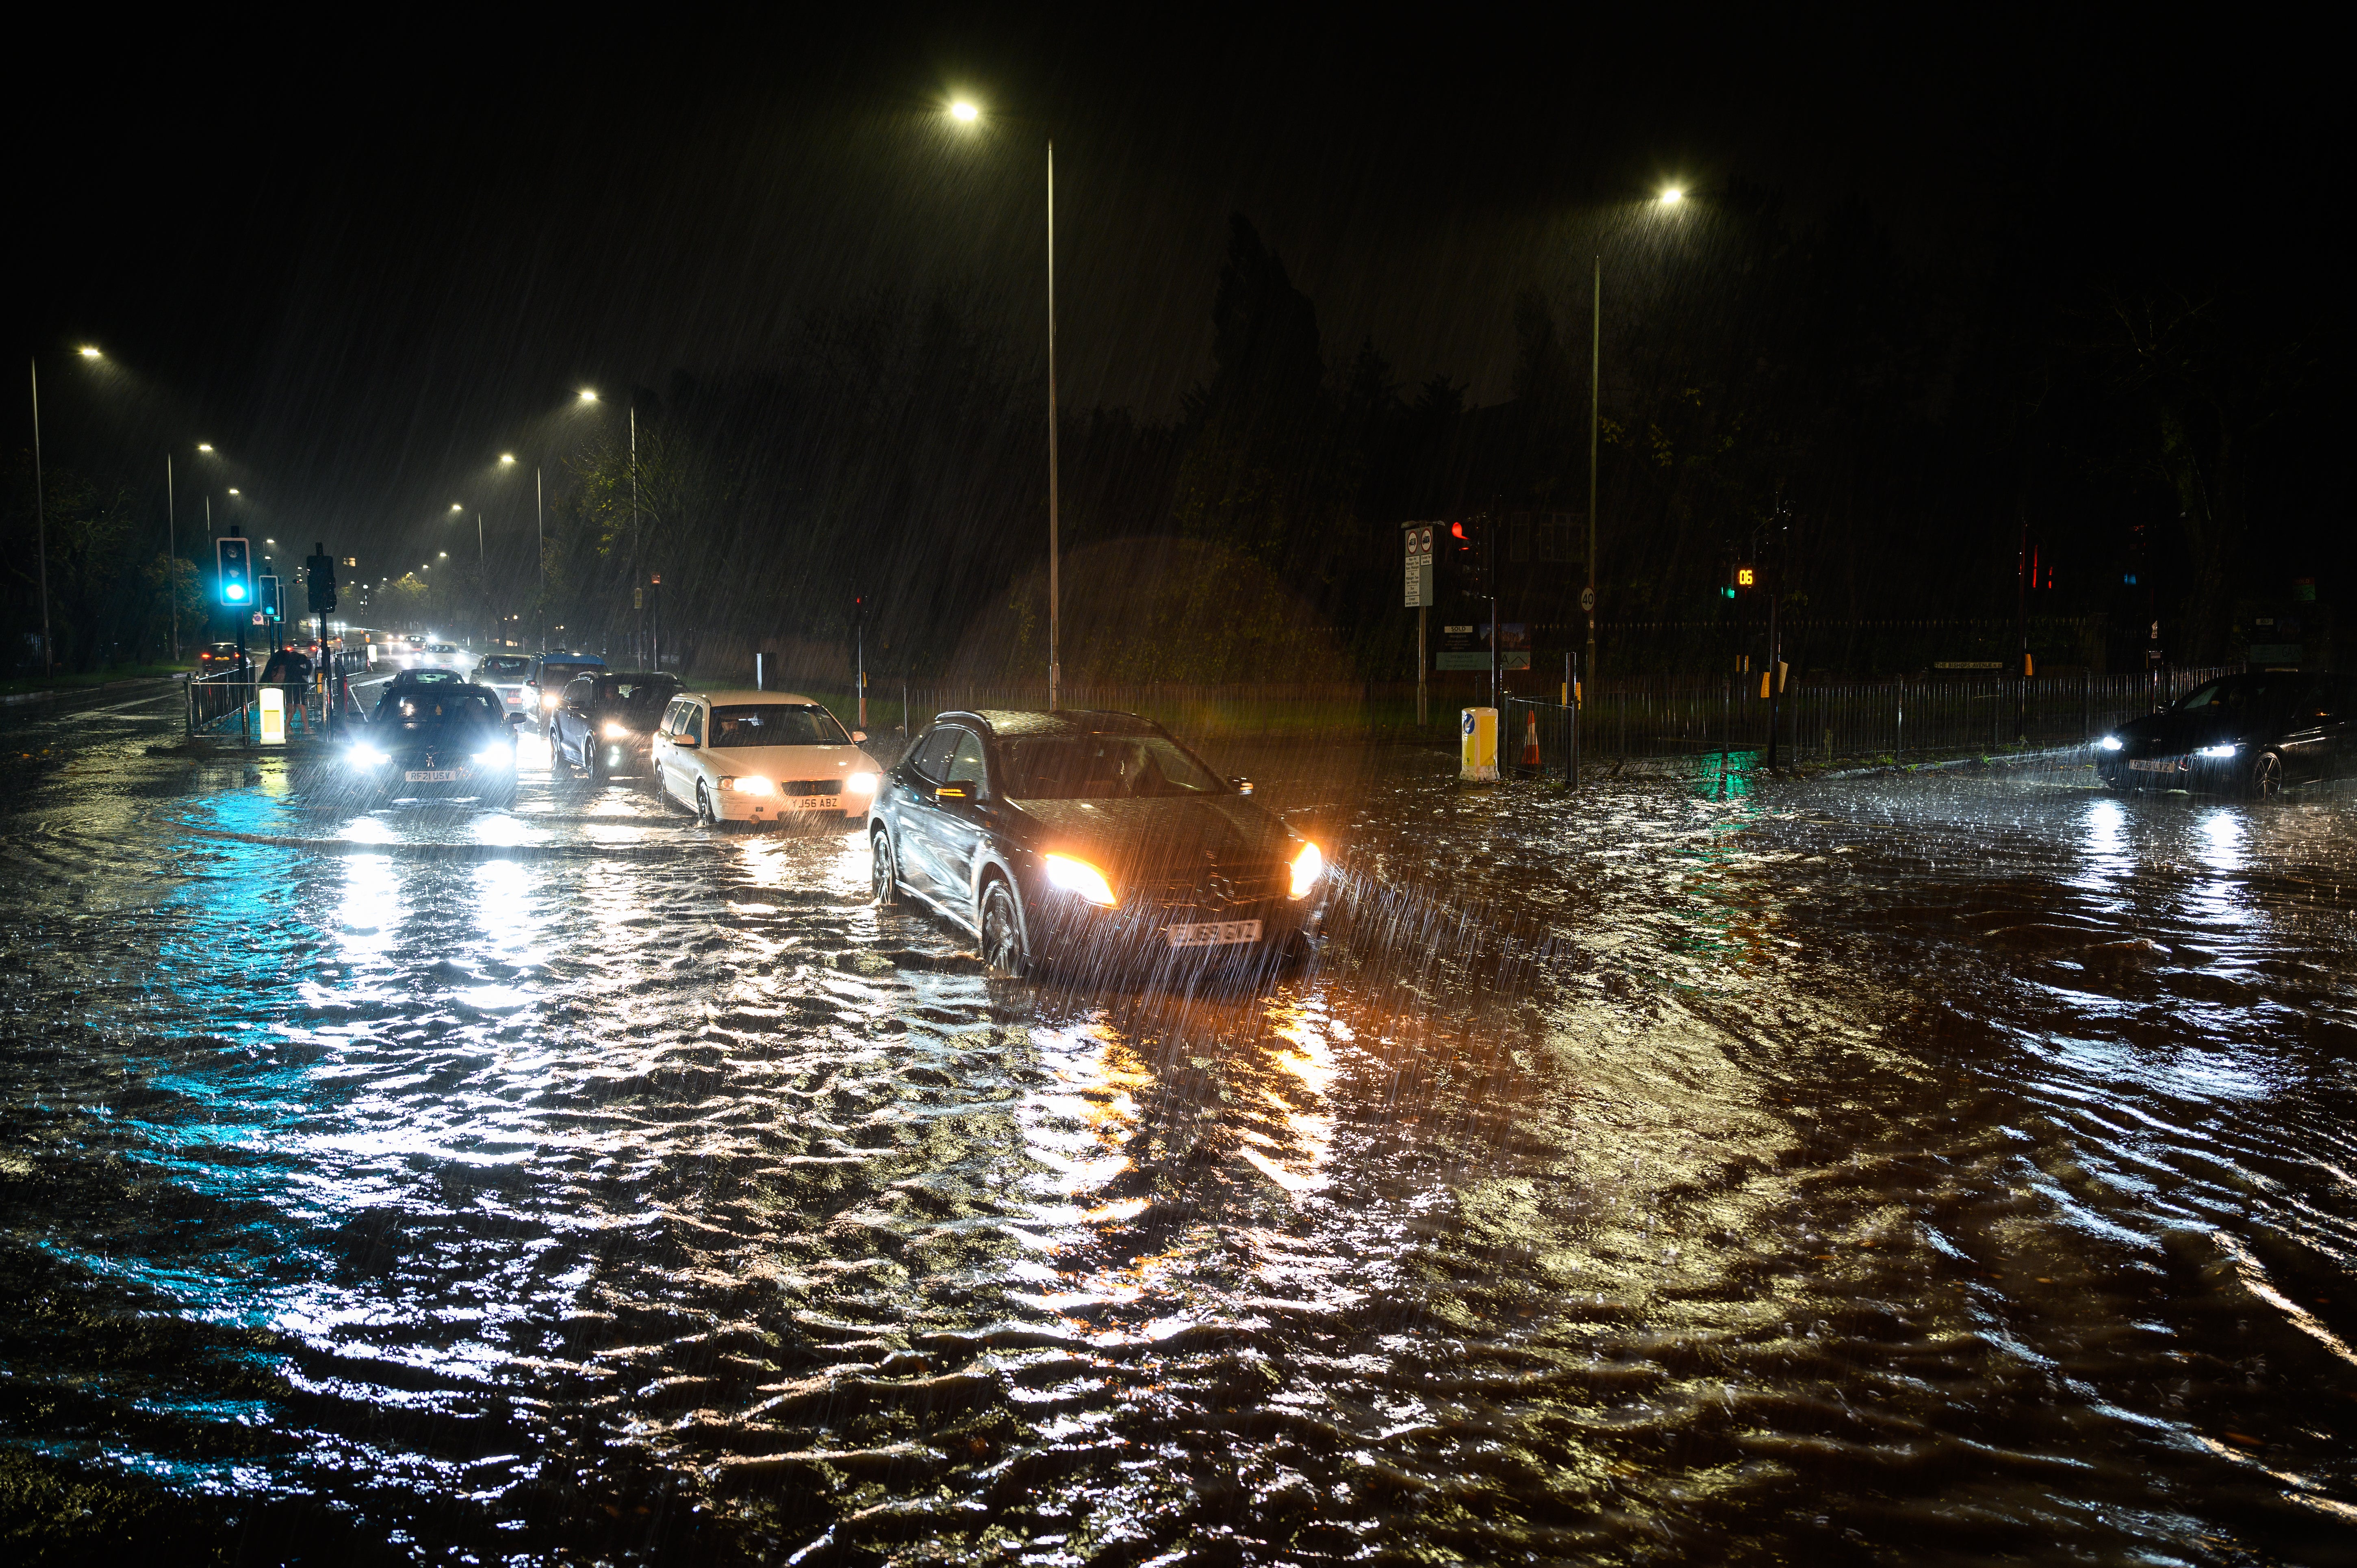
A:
(218, 706)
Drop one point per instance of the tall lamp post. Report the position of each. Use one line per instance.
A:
(41, 505)
(1670, 198)
(965, 113)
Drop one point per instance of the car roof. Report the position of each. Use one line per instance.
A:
(1005, 722)
(733, 695)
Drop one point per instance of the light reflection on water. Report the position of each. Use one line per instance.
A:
(1717, 1171)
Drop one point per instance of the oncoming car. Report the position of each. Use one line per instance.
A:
(2253, 733)
(760, 756)
(435, 738)
(606, 722)
(506, 673)
(1091, 838)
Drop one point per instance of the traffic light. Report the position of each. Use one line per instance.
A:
(234, 558)
(320, 581)
(266, 597)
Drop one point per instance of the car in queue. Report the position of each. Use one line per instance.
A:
(434, 737)
(506, 674)
(1089, 840)
(2254, 734)
(766, 758)
(224, 662)
(605, 723)
(551, 673)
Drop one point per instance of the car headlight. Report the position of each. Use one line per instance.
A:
(615, 731)
(363, 755)
(495, 757)
(548, 699)
(1308, 867)
(2214, 752)
(2109, 743)
(860, 783)
(1080, 878)
(753, 784)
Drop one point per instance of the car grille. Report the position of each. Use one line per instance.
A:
(1218, 888)
(810, 787)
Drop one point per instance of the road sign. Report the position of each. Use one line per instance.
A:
(1587, 600)
(1419, 582)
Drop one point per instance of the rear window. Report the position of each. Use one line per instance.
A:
(506, 664)
(775, 724)
(555, 673)
(635, 695)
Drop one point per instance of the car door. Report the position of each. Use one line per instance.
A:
(2316, 731)
(659, 749)
(686, 753)
(576, 719)
(912, 785)
(953, 825)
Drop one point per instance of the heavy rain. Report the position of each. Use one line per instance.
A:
(949, 793)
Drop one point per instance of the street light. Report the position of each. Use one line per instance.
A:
(89, 353)
(507, 459)
(966, 114)
(589, 396)
(1670, 197)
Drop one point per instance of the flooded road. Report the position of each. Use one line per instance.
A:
(1880, 1169)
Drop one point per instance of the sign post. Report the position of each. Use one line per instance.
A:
(1419, 590)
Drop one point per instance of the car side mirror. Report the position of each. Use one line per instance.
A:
(516, 719)
(1243, 785)
(858, 735)
(687, 740)
(951, 792)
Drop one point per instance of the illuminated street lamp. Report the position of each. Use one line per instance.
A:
(965, 112)
(588, 395)
(90, 353)
(1670, 197)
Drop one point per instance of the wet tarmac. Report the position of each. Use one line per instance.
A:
(1937, 1168)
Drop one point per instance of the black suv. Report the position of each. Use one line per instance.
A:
(1089, 839)
(434, 737)
(606, 721)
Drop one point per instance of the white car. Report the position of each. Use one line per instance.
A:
(761, 756)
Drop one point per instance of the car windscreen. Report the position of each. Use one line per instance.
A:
(1101, 768)
(555, 673)
(2245, 693)
(505, 665)
(421, 710)
(645, 697)
(775, 724)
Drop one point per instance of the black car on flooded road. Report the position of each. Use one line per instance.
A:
(604, 721)
(435, 738)
(1086, 840)
(2251, 735)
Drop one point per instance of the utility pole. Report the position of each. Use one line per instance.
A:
(1055, 666)
(41, 518)
(171, 558)
(1595, 394)
(638, 632)
(2021, 634)
(540, 528)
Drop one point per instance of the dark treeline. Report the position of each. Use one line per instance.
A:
(1886, 429)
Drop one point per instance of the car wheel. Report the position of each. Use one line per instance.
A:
(1002, 930)
(2266, 777)
(884, 871)
(703, 814)
(593, 760)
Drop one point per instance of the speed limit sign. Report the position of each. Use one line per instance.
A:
(1587, 600)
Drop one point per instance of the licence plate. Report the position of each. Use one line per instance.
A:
(2152, 763)
(809, 803)
(1214, 933)
(432, 775)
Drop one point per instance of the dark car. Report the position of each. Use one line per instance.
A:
(549, 678)
(224, 662)
(435, 738)
(607, 721)
(2251, 735)
(1089, 839)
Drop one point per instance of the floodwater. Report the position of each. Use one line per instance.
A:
(1887, 1169)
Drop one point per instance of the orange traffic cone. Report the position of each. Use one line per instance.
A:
(1531, 741)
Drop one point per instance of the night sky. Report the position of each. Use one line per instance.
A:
(366, 259)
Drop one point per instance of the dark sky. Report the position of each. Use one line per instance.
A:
(365, 260)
